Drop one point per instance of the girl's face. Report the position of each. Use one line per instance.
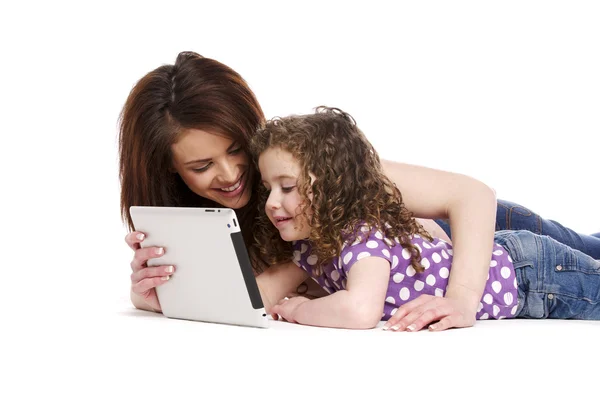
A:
(213, 166)
(280, 172)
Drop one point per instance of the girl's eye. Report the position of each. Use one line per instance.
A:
(288, 189)
(235, 151)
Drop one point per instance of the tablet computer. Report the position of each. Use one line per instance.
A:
(213, 279)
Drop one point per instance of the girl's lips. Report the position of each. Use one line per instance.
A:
(280, 223)
(234, 193)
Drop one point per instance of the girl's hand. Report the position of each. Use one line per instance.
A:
(426, 309)
(144, 279)
(286, 308)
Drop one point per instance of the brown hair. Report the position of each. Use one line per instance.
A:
(350, 189)
(196, 92)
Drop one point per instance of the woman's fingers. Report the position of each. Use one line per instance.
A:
(134, 239)
(142, 255)
(150, 272)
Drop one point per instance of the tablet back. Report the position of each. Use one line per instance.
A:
(213, 279)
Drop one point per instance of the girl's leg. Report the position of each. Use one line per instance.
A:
(511, 216)
(554, 280)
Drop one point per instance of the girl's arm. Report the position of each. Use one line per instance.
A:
(470, 207)
(277, 281)
(359, 306)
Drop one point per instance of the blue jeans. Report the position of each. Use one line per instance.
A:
(511, 216)
(554, 280)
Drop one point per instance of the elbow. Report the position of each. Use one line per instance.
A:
(363, 315)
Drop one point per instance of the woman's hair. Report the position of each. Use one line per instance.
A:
(194, 93)
(350, 188)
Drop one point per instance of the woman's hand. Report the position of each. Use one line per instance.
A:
(145, 279)
(426, 309)
(286, 308)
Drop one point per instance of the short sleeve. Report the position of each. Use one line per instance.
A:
(374, 245)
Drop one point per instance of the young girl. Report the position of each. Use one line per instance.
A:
(329, 207)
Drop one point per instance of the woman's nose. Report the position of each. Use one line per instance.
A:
(228, 172)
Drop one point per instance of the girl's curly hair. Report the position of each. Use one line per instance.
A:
(350, 189)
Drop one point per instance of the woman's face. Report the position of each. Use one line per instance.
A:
(213, 166)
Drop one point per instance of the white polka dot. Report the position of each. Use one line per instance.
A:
(445, 254)
(419, 285)
(364, 229)
(488, 277)
(398, 277)
(487, 298)
(297, 256)
(419, 248)
(312, 260)
(327, 283)
(393, 312)
(410, 271)
(430, 280)
(496, 286)
(498, 252)
(436, 257)
(501, 317)
(416, 236)
(405, 253)
(425, 263)
(479, 307)
(344, 284)
(505, 272)
(444, 272)
(303, 248)
(496, 310)
(508, 298)
(347, 257)
(510, 259)
(379, 235)
(363, 255)
(439, 292)
(515, 283)
(394, 261)
(327, 289)
(493, 263)
(484, 316)
(386, 253)
(451, 252)
(514, 310)
(425, 245)
(372, 244)
(390, 299)
(404, 293)
(335, 275)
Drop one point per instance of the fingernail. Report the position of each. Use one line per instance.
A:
(411, 327)
(395, 328)
(169, 269)
(431, 328)
(159, 251)
(165, 278)
(386, 326)
(140, 236)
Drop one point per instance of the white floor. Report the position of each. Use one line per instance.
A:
(98, 351)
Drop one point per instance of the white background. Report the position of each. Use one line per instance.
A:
(507, 92)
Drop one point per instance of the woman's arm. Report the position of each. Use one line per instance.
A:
(359, 306)
(470, 207)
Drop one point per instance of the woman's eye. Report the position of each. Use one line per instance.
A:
(202, 169)
(287, 189)
(235, 151)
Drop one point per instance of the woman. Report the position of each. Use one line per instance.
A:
(184, 133)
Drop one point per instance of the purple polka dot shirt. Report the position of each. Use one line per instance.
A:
(499, 298)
